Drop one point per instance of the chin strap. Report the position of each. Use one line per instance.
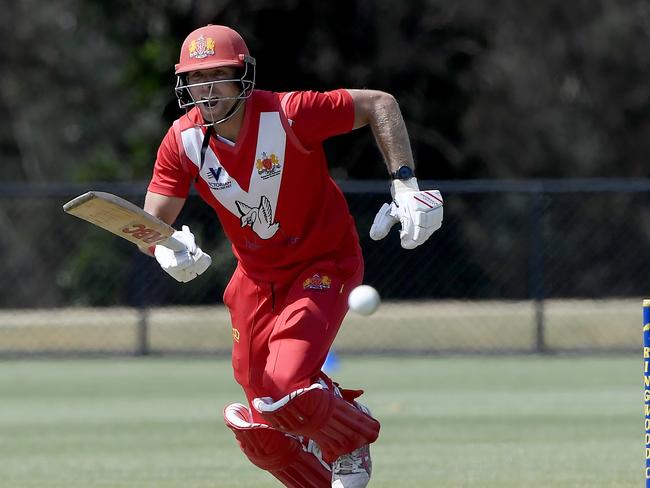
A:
(204, 148)
(210, 129)
(233, 110)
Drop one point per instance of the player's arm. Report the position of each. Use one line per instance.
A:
(418, 212)
(185, 264)
(381, 112)
(164, 207)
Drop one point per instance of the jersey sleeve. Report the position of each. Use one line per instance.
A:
(316, 116)
(169, 176)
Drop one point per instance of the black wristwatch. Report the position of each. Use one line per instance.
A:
(403, 173)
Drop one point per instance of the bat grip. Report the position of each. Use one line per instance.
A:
(174, 244)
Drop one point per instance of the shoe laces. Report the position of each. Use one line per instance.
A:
(355, 462)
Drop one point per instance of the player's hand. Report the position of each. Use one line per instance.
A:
(419, 212)
(185, 261)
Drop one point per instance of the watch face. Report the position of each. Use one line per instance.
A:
(404, 173)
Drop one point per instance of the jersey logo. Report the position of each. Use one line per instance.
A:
(201, 48)
(268, 166)
(317, 282)
(218, 179)
(260, 219)
(256, 207)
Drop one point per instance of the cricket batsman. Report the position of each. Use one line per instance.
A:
(256, 158)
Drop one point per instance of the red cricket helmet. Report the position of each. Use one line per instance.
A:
(212, 46)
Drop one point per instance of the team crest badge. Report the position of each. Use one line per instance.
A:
(202, 47)
(317, 282)
(268, 165)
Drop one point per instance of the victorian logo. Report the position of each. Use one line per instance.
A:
(268, 165)
(218, 179)
(202, 48)
(317, 282)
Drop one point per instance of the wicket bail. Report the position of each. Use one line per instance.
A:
(646, 382)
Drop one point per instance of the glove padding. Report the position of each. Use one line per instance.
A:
(185, 264)
(419, 212)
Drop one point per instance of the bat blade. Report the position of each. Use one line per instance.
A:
(122, 218)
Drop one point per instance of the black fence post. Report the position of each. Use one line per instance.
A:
(536, 264)
(142, 296)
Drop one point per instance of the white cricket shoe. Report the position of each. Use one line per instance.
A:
(352, 470)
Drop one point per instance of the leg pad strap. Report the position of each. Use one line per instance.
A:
(337, 426)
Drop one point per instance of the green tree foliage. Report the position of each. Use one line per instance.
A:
(508, 88)
(560, 91)
(489, 89)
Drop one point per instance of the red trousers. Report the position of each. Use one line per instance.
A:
(283, 331)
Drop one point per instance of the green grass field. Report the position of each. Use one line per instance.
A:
(447, 422)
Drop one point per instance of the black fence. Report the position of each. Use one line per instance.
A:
(539, 265)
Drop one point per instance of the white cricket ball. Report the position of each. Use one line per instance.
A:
(364, 300)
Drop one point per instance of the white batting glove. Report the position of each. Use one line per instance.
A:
(187, 261)
(419, 212)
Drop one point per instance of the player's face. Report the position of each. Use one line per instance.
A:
(217, 94)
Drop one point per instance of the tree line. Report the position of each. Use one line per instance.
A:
(488, 89)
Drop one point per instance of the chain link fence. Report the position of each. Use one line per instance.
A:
(518, 266)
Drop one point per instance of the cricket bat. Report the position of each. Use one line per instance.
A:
(123, 219)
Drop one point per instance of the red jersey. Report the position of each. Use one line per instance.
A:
(271, 190)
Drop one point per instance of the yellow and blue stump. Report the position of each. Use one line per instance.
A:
(646, 382)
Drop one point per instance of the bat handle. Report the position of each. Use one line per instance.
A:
(174, 244)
